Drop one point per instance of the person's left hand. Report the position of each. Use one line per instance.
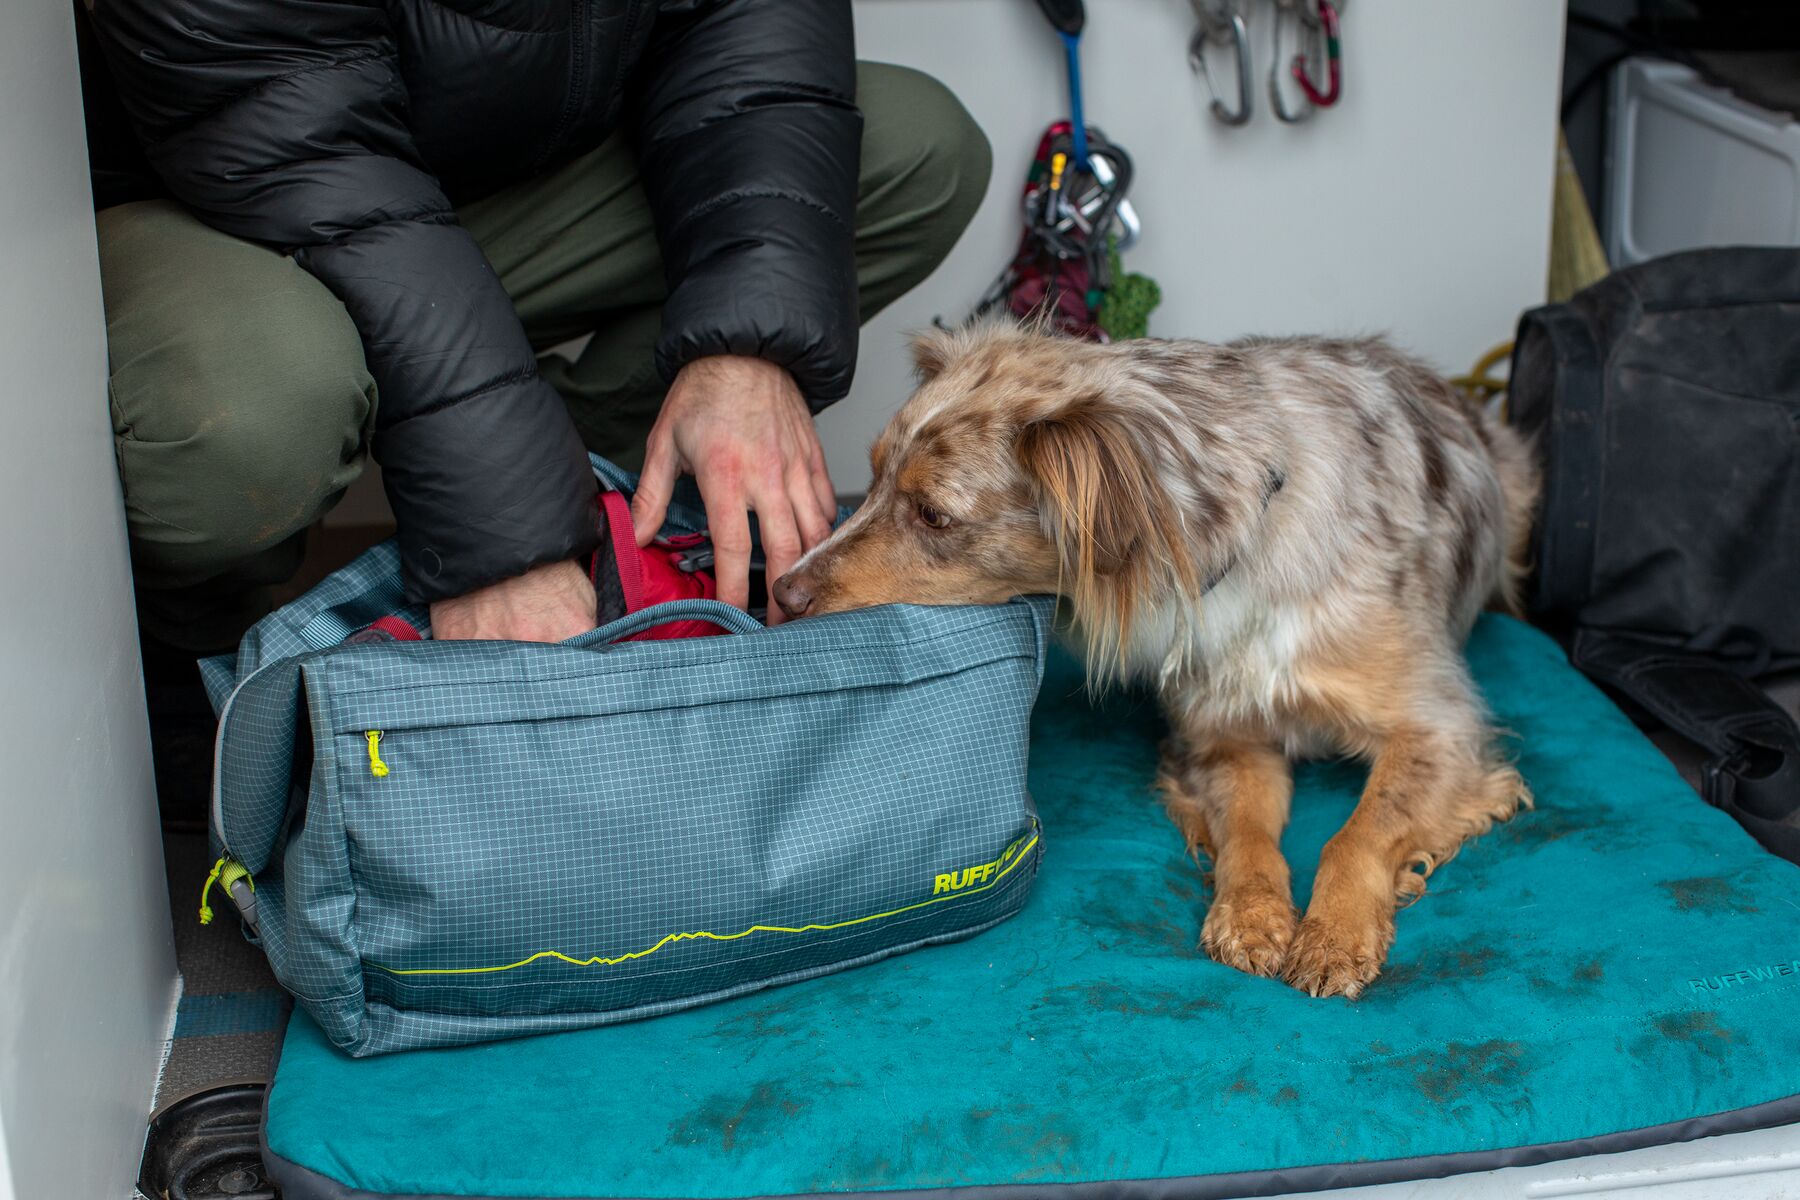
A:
(742, 428)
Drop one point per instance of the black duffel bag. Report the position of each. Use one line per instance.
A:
(1665, 404)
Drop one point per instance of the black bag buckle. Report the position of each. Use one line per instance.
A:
(1759, 780)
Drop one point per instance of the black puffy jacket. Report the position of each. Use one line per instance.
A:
(343, 132)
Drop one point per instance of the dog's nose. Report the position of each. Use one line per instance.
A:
(794, 592)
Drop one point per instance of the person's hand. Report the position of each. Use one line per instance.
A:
(549, 603)
(742, 429)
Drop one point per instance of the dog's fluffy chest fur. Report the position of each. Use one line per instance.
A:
(1236, 658)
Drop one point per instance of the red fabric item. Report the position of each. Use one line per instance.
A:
(386, 629)
(649, 576)
(399, 630)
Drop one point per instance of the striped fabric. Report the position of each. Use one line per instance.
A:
(454, 842)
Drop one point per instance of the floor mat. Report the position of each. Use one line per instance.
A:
(1619, 966)
(232, 1012)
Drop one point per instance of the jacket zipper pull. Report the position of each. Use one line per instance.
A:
(377, 768)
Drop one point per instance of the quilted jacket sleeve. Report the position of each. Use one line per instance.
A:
(749, 142)
(282, 121)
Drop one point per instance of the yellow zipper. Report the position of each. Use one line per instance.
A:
(377, 768)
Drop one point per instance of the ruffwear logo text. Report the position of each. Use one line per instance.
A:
(984, 873)
(1720, 983)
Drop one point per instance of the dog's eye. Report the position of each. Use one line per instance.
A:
(933, 517)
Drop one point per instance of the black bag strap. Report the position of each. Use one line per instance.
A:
(1754, 773)
(1559, 399)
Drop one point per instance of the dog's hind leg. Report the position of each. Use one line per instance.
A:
(1429, 790)
(1230, 799)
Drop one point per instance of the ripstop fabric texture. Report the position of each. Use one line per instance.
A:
(1617, 959)
(459, 841)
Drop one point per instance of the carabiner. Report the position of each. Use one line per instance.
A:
(1213, 24)
(1285, 10)
(1328, 28)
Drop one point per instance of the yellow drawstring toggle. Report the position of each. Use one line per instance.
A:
(377, 768)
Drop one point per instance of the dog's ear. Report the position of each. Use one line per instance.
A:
(932, 350)
(1095, 483)
(1110, 517)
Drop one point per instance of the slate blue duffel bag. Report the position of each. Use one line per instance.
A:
(438, 843)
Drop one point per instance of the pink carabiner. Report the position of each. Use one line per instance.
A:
(1328, 21)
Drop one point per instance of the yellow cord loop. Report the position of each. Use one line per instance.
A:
(377, 768)
(226, 872)
(212, 877)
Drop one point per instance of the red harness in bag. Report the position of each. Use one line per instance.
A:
(650, 575)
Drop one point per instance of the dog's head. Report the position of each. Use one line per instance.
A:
(1023, 464)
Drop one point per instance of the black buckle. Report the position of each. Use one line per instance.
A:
(1759, 780)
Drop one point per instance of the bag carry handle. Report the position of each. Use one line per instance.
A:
(716, 612)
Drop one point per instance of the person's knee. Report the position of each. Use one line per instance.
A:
(237, 425)
(942, 145)
(926, 162)
(233, 481)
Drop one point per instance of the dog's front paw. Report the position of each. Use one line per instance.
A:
(1250, 929)
(1337, 956)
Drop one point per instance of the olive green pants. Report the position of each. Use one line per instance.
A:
(241, 405)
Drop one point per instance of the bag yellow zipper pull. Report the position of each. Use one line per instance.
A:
(377, 768)
(212, 877)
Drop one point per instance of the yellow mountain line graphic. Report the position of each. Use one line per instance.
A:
(1013, 856)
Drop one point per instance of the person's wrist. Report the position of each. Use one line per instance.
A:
(712, 368)
(549, 603)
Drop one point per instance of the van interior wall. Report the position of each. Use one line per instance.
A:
(1418, 206)
(86, 957)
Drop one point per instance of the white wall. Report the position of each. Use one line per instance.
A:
(87, 968)
(1419, 206)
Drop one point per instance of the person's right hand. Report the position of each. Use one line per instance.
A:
(549, 603)
(742, 427)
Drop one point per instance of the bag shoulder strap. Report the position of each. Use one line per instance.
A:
(1559, 368)
(1754, 773)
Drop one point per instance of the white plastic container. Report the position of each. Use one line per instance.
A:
(1692, 165)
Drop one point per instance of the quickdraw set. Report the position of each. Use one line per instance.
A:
(1066, 272)
(1316, 69)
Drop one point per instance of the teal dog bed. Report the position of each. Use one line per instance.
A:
(1619, 967)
